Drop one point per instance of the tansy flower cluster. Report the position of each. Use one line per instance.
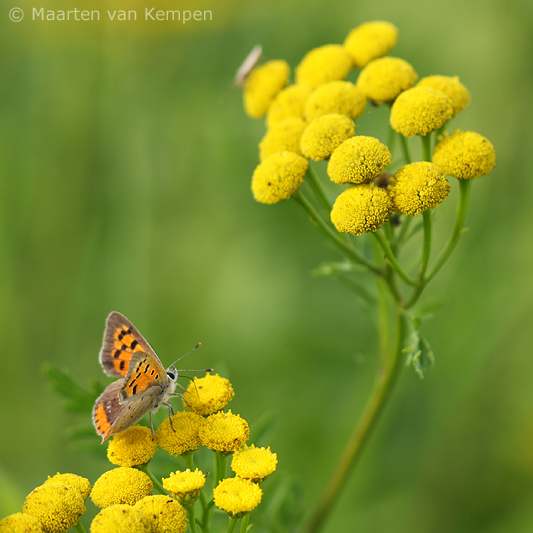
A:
(124, 494)
(314, 119)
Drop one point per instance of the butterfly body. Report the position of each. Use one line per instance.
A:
(144, 384)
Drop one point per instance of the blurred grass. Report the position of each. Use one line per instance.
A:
(125, 165)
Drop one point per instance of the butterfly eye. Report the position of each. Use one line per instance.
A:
(171, 374)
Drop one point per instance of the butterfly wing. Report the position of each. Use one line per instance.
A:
(145, 372)
(121, 340)
(110, 416)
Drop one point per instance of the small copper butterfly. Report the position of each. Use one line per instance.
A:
(144, 386)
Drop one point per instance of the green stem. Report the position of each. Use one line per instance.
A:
(330, 234)
(406, 222)
(189, 461)
(386, 377)
(462, 206)
(207, 513)
(244, 522)
(79, 527)
(192, 518)
(155, 481)
(427, 244)
(392, 140)
(405, 148)
(232, 523)
(426, 146)
(221, 465)
(392, 259)
(318, 188)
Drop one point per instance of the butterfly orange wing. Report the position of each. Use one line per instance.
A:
(144, 373)
(121, 340)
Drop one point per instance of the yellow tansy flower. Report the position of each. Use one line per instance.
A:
(289, 103)
(208, 395)
(417, 187)
(132, 447)
(263, 84)
(465, 155)
(278, 177)
(255, 464)
(185, 486)
(361, 209)
(326, 63)
(20, 523)
(57, 506)
(237, 496)
(341, 97)
(358, 159)
(82, 484)
(121, 485)
(450, 86)
(370, 41)
(224, 432)
(185, 437)
(121, 517)
(283, 136)
(166, 514)
(419, 111)
(324, 134)
(382, 80)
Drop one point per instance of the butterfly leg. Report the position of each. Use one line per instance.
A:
(183, 397)
(152, 425)
(170, 413)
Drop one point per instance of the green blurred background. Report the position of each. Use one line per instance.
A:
(125, 166)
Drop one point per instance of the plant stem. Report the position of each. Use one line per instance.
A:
(155, 481)
(427, 244)
(244, 522)
(221, 465)
(462, 206)
(426, 146)
(232, 523)
(79, 527)
(348, 250)
(386, 377)
(405, 148)
(392, 259)
(318, 188)
(192, 518)
(189, 461)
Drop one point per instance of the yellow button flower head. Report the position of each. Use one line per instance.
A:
(382, 80)
(283, 136)
(341, 97)
(132, 447)
(278, 177)
(166, 514)
(289, 103)
(465, 155)
(419, 111)
(450, 86)
(370, 41)
(185, 438)
(358, 159)
(56, 506)
(20, 523)
(417, 187)
(121, 517)
(255, 464)
(237, 496)
(324, 134)
(72, 480)
(208, 395)
(361, 209)
(185, 486)
(224, 432)
(263, 84)
(326, 63)
(121, 485)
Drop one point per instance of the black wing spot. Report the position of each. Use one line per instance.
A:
(152, 372)
(122, 364)
(133, 344)
(134, 391)
(116, 355)
(147, 367)
(123, 347)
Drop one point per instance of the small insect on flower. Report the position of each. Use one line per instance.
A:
(248, 65)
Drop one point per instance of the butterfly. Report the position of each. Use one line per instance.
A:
(248, 65)
(144, 384)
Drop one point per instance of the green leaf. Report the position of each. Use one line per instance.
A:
(419, 352)
(79, 400)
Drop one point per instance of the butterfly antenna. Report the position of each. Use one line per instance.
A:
(179, 359)
(193, 382)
